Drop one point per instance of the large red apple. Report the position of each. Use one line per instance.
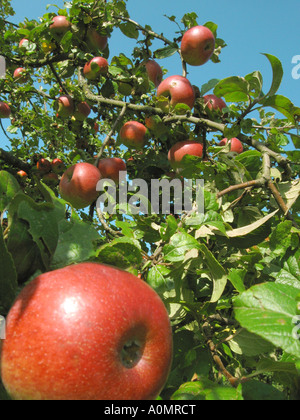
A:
(78, 185)
(198, 45)
(133, 134)
(236, 145)
(65, 106)
(86, 332)
(178, 89)
(213, 102)
(95, 67)
(5, 110)
(60, 25)
(111, 167)
(97, 40)
(183, 148)
(154, 72)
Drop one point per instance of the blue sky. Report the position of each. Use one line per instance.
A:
(248, 27)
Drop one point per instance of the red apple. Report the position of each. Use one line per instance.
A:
(111, 167)
(96, 40)
(65, 106)
(83, 110)
(78, 185)
(95, 67)
(154, 72)
(5, 110)
(43, 166)
(133, 134)
(214, 103)
(60, 25)
(22, 42)
(178, 89)
(20, 75)
(236, 145)
(183, 148)
(86, 332)
(57, 166)
(198, 45)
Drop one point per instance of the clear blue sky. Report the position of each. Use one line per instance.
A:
(248, 27)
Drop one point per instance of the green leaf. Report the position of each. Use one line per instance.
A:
(208, 391)
(179, 245)
(166, 52)
(281, 104)
(8, 278)
(218, 273)
(9, 187)
(259, 391)
(208, 86)
(77, 243)
(129, 30)
(233, 89)
(269, 310)
(277, 73)
(255, 81)
(158, 278)
(249, 344)
(121, 252)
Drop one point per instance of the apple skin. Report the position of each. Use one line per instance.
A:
(111, 167)
(236, 145)
(93, 73)
(183, 148)
(78, 185)
(43, 166)
(22, 174)
(20, 75)
(60, 25)
(179, 89)
(154, 72)
(83, 110)
(213, 102)
(57, 166)
(66, 337)
(65, 106)
(133, 134)
(97, 41)
(5, 110)
(197, 45)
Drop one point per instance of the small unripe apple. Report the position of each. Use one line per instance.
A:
(133, 134)
(65, 106)
(86, 332)
(20, 75)
(43, 166)
(78, 185)
(197, 45)
(111, 167)
(154, 72)
(183, 148)
(179, 91)
(5, 110)
(60, 25)
(97, 40)
(95, 67)
(83, 110)
(213, 102)
(235, 145)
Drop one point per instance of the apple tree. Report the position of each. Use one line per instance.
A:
(229, 276)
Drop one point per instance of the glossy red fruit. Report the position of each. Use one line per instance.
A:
(236, 145)
(197, 45)
(213, 102)
(5, 110)
(133, 134)
(60, 25)
(111, 167)
(95, 67)
(179, 91)
(78, 185)
(183, 148)
(154, 72)
(86, 332)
